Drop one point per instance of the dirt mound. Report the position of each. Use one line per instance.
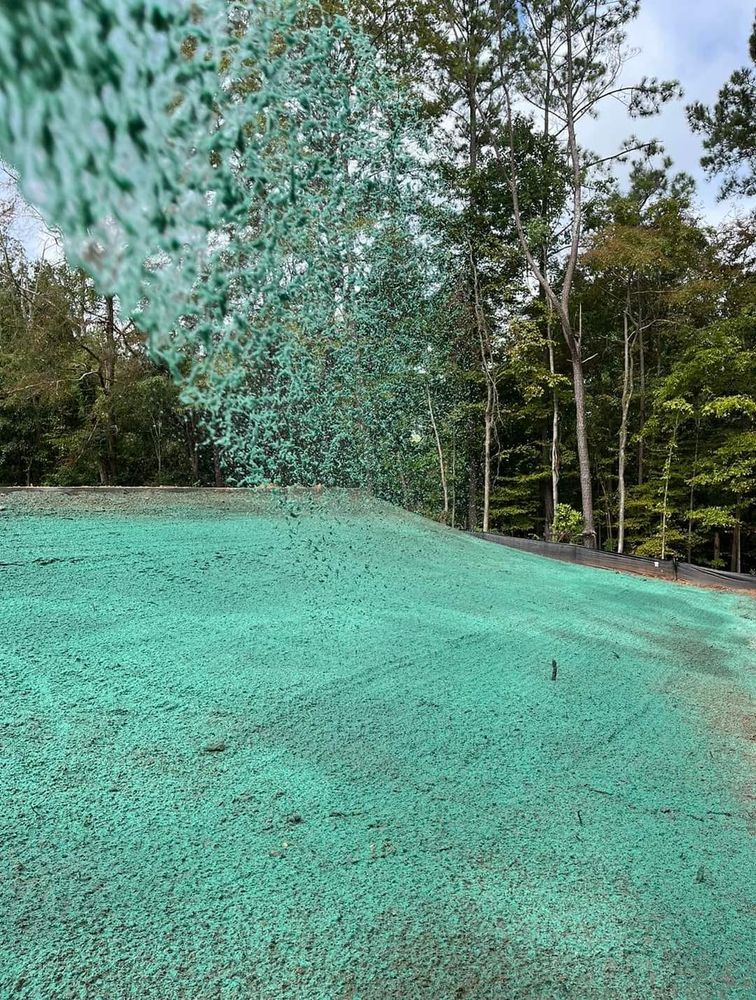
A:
(308, 746)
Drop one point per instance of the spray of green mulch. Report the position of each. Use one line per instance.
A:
(248, 189)
(314, 750)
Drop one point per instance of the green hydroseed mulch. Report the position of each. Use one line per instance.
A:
(308, 749)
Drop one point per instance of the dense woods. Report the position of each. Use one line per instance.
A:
(549, 340)
(80, 400)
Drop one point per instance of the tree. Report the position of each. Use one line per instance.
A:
(80, 400)
(711, 385)
(563, 58)
(443, 51)
(636, 257)
(729, 130)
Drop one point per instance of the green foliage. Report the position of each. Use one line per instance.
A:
(80, 401)
(671, 543)
(729, 130)
(567, 525)
(712, 517)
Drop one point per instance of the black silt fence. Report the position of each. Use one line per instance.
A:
(666, 569)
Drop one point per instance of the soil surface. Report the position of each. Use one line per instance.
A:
(268, 746)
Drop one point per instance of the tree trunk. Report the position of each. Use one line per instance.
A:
(554, 492)
(692, 493)
(454, 480)
(667, 477)
(107, 381)
(581, 433)
(735, 556)
(551, 491)
(642, 402)
(219, 480)
(472, 490)
(441, 465)
(609, 528)
(554, 447)
(489, 419)
(192, 445)
(627, 392)
(717, 549)
(548, 485)
(472, 109)
(487, 367)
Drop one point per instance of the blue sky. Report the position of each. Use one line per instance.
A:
(699, 43)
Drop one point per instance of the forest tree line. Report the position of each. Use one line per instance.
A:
(81, 402)
(593, 339)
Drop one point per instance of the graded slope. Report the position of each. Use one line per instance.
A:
(312, 749)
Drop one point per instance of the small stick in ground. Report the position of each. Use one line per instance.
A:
(553, 670)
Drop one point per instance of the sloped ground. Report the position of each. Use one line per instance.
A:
(262, 750)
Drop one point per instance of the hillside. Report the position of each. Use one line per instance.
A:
(310, 748)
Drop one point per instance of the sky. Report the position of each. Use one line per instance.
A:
(698, 42)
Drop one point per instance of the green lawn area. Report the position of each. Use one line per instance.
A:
(254, 749)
